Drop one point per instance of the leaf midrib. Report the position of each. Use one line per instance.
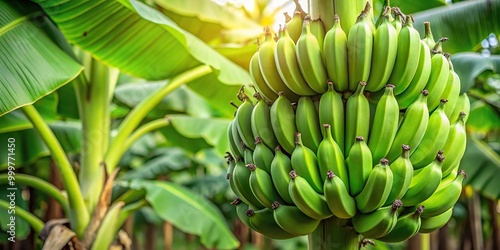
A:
(18, 21)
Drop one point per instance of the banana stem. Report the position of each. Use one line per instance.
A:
(333, 234)
(79, 215)
(326, 13)
(140, 111)
(94, 93)
(25, 215)
(425, 240)
(40, 185)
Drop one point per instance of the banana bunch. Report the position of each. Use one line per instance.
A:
(365, 125)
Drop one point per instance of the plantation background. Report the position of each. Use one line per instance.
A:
(183, 157)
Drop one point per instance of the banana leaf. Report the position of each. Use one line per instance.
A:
(206, 132)
(32, 65)
(16, 120)
(164, 160)
(189, 212)
(182, 100)
(465, 23)
(482, 165)
(143, 42)
(470, 65)
(209, 19)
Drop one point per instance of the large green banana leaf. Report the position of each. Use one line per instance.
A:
(469, 66)
(465, 23)
(32, 65)
(189, 212)
(141, 41)
(209, 20)
(482, 164)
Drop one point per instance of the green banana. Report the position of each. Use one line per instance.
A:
(243, 117)
(439, 76)
(280, 170)
(263, 222)
(294, 221)
(398, 20)
(377, 223)
(295, 24)
(454, 147)
(247, 155)
(262, 155)
(306, 120)
(241, 212)
(445, 196)
(335, 56)
(268, 67)
(385, 46)
(231, 164)
(406, 227)
(359, 166)
(234, 140)
(339, 201)
(310, 59)
(428, 37)
(305, 162)
(377, 188)
(411, 93)
(258, 80)
(260, 122)
(330, 157)
(240, 179)
(431, 224)
(412, 126)
(462, 105)
(307, 199)
(318, 30)
(357, 117)
(331, 111)
(262, 186)
(385, 124)
(288, 65)
(424, 182)
(359, 50)
(407, 59)
(451, 91)
(434, 138)
(402, 172)
(283, 122)
(230, 174)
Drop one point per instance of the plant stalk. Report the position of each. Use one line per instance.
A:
(349, 10)
(140, 111)
(142, 130)
(94, 93)
(79, 215)
(334, 234)
(34, 221)
(40, 185)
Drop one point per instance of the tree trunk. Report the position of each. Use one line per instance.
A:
(494, 223)
(334, 233)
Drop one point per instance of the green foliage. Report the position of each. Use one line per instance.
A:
(45, 66)
(191, 213)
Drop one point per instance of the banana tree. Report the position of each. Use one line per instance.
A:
(68, 55)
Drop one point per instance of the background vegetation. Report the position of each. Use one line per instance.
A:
(171, 187)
